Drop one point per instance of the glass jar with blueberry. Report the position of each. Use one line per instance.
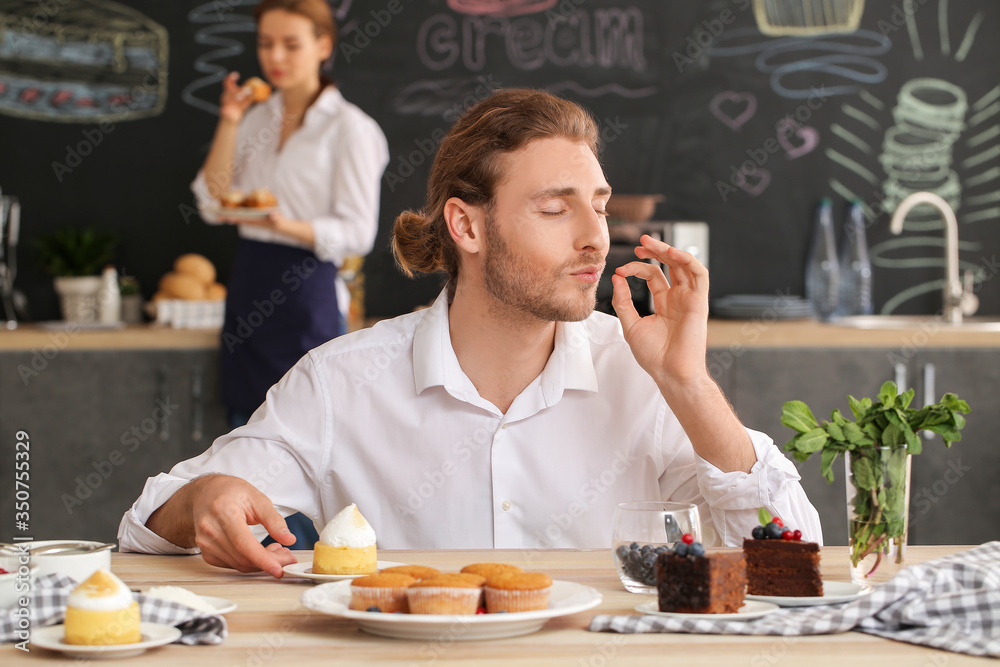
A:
(642, 531)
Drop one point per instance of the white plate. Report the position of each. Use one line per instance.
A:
(833, 593)
(566, 598)
(222, 605)
(304, 570)
(153, 634)
(749, 611)
(241, 212)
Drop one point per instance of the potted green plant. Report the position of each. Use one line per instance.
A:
(131, 299)
(74, 257)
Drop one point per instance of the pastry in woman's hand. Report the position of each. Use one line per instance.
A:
(260, 91)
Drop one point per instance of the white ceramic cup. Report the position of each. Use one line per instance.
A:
(77, 566)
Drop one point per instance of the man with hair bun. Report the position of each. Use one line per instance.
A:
(509, 414)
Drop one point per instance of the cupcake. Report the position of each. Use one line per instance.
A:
(490, 569)
(346, 545)
(446, 594)
(415, 571)
(517, 591)
(101, 611)
(382, 592)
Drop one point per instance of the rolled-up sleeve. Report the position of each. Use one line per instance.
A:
(351, 227)
(280, 451)
(772, 483)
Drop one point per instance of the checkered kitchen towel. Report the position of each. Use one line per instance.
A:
(48, 607)
(952, 603)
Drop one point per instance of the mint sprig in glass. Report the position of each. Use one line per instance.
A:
(877, 445)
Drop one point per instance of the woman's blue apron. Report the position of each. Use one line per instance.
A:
(281, 303)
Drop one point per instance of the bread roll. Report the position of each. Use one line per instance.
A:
(260, 198)
(259, 90)
(215, 292)
(196, 266)
(182, 286)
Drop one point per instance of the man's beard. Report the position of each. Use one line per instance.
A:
(513, 282)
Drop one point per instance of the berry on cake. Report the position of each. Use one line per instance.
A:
(779, 562)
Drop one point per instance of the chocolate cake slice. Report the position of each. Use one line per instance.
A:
(711, 584)
(787, 568)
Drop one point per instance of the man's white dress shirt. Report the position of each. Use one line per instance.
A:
(328, 174)
(386, 418)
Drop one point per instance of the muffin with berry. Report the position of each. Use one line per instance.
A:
(780, 562)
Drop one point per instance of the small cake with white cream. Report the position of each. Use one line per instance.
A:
(346, 545)
(101, 611)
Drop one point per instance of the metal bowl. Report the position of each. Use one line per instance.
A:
(633, 208)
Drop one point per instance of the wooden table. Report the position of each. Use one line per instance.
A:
(270, 627)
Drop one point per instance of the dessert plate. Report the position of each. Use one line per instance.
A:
(222, 605)
(153, 634)
(749, 611)
(834, 592)
(566, 598)
(245, 212)
(304, 570)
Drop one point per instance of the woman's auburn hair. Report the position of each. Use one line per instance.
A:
(317, 11)
(469, 165)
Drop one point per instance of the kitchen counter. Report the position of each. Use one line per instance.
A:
(732, 334)
(132, 337)
(270, 627)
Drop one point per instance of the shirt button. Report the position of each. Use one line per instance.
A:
(504, 425)
(506, 505)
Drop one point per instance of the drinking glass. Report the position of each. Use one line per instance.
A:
(644, 529)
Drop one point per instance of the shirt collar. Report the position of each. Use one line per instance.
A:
(571, 365)
(327, 103)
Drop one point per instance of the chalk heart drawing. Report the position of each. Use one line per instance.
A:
(753, 181)
(807, 138)
(745, 101)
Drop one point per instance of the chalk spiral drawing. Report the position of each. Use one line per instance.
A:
(930, 117)
(841, 64)
(222, 29)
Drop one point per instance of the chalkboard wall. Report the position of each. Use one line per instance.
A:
(743, 130)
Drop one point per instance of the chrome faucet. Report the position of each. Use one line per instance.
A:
(959, 299)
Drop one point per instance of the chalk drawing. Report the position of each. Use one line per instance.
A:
(220, 21)
(916, 150)
(850, 58)
(839, 130)
(81, 61)
(943, 27)
(807, 17)
(501, 7)
(745, 107)
(911, 28)
(808, 136)
(599, 91)
(852, 165)
(970, 35)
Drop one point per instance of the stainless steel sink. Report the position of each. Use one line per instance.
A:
(925, 322)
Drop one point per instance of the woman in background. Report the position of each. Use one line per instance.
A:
(322, 158)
